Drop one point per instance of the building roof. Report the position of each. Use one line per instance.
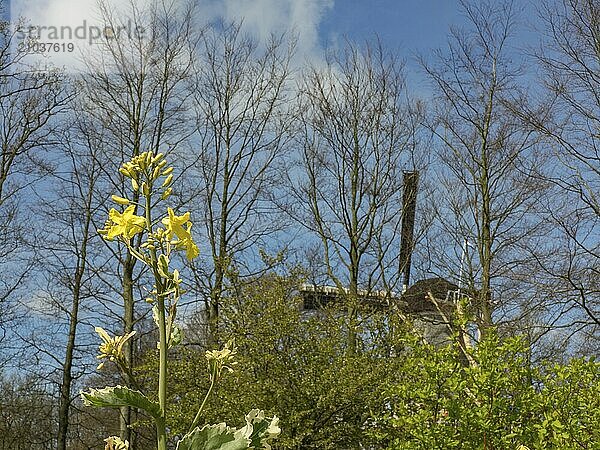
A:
(417, 296)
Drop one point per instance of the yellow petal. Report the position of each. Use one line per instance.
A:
(103, 334)
(191, 250)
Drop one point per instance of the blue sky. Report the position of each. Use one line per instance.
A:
(411, 27)
(404, 26)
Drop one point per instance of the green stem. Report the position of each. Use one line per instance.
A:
(161, 431)
(161, 434)
(162, 374)
(212, 384)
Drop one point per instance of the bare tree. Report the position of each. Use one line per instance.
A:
(488, 161)
(241, 97)
(69, 249)
(358, 131)
(567, 116)
(30, 101)
(65, 279)
(26, 415)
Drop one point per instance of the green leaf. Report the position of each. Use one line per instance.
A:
(115, 397)
(213, 437)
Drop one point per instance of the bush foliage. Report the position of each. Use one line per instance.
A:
(397, 392)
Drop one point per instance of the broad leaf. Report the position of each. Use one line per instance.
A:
(214, 437)
(115, 397)
(260, 429)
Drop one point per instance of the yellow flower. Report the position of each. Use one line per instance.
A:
(222, 359)
(125, 224)
(175, 224)
(190, 247)
(115, 443)
(111, 348)
(191, 250)
(181, 227)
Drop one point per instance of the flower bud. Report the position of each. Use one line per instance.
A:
(163, 266)
(168, 171)
(157, 158)
(148, 245)
(120, 200)
(167, 181)
(129, 168)
(135, 185)
(166, 194)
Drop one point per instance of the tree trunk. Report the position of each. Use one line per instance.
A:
(67, 377)
(354, 249)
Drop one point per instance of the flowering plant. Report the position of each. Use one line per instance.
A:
(162, 238)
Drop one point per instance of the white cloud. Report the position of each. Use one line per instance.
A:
(263, 17)
(260, 18)
(63, 30)
(39, 303)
